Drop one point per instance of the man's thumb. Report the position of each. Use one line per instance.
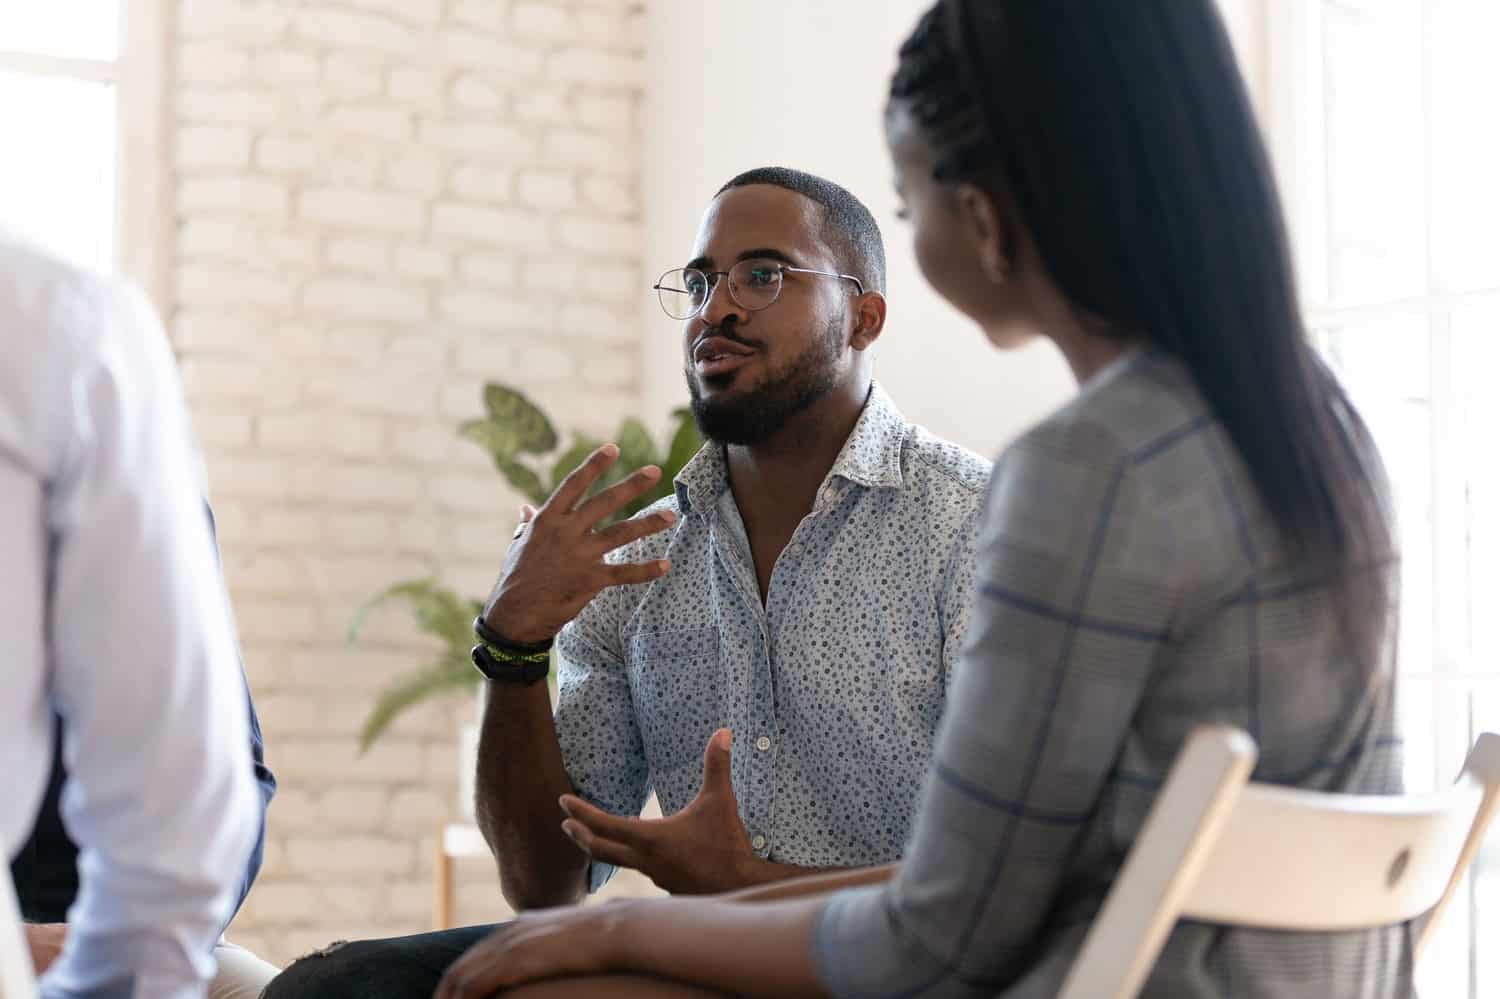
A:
(716, 759)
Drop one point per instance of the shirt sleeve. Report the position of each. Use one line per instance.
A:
(1074, 599)
(265, 780)
(601, 743)
(265, 786)
(161, 797)
(957, 600)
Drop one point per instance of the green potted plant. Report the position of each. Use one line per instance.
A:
(525, 447)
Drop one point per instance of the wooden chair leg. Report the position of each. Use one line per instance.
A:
(442, 885)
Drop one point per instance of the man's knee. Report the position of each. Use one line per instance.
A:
(333, 972)
(397, 968)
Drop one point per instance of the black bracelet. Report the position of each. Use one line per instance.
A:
(524, 671)
(488, 636)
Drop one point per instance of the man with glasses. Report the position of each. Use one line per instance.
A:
(806, 588)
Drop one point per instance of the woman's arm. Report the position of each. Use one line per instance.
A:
(748, 950)
(813, 884)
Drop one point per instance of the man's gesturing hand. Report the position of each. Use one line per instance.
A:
(556, 565)
(701, 850)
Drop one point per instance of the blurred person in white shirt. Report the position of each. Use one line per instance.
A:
(113, 617)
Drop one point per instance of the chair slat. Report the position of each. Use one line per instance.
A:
(1218, 849)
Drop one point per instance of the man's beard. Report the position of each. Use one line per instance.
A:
(754, 416)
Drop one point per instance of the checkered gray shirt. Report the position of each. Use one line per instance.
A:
(1131, 587)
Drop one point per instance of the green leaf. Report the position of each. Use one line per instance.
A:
(531, 430)
(686, 443)
(523, 478)
(438, 611)
(570, 459)
(637, 450)
(497, 441)
(446, 676)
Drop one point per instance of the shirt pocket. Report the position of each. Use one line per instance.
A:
(676, 680)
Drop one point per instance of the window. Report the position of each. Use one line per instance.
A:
(83, 171)
(1382, 117)
(59, 74)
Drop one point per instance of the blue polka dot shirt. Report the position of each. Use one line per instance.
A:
(833, 687)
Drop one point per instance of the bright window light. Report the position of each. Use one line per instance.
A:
(71, 29)
(57, 177)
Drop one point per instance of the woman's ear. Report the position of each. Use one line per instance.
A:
(869, 320)
(979, 214)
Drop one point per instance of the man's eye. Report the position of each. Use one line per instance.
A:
(762, 276)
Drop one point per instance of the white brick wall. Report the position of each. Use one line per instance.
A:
(380, 204)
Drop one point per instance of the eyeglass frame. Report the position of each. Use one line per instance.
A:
(713, 276)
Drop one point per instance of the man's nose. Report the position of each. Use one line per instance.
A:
(721, 305)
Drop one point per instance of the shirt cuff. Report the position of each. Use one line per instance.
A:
(599, 874)
(847, 941)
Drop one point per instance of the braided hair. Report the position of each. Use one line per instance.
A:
(927, 81)
(1125, 137)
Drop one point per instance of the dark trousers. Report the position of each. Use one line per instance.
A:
(398, 968)
(411, 967)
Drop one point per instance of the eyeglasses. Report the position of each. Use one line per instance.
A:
(753, 284)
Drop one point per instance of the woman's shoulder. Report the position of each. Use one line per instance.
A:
(1132, 412)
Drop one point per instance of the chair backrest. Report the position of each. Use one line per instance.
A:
(16, 978)
(1219, 849)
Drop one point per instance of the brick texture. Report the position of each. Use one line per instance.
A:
(380, 204)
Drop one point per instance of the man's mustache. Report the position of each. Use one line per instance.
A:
(725, 331)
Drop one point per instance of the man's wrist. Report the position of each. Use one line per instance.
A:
(513, 630)
(752, 872)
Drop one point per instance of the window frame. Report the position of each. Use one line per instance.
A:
(1287, 62)
(144, 210)
(140, 77)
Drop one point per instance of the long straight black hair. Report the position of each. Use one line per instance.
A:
(1124, 134)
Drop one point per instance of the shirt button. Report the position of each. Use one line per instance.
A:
(794, 549)
(763, 743)
(759, 842)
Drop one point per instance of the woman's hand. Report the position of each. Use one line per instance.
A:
(550, 943)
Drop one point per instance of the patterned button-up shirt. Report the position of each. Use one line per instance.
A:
(833, 687)
(1132, 586)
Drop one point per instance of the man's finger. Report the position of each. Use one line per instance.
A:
(601, 823)
(601, 848)
(476, 974)
(577, 484)
(623, 533)
(635, 572)
(716, 758)
(612, 500)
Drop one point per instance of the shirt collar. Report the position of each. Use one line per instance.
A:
(871, 457)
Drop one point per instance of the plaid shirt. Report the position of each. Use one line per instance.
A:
(834, 687)
(1131, 587)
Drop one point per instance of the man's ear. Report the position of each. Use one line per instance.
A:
(869, 320)
(980, 216)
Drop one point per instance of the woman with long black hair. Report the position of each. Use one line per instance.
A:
(1200, 535)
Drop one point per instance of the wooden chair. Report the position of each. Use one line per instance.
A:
(16, 978)
(1220, 849)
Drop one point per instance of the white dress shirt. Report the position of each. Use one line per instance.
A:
(112, 613)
